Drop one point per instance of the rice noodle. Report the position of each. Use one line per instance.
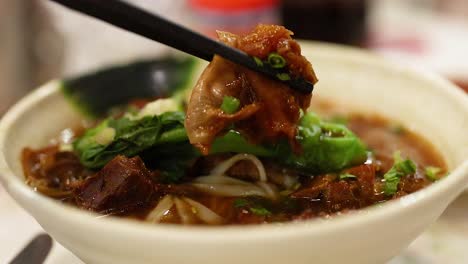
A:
(204, 213)
(225, 165)
(183, 209)
(290, 181)
(218, 183)
(161, 209)
(269, 189)
(284, 179)
(229, 190)
(220, 179)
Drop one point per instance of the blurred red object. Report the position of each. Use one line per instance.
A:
(236, 16)
(234, 5)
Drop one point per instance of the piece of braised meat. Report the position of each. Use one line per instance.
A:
(53, 172)
(269, 109)
(338, 194)
(123, 184)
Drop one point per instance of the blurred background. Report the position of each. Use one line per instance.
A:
(40, 40)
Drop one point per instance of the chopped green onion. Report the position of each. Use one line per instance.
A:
(257, 210)
(230, 104)
(344, 176)
(261, 211)
(432, 172)
(276, 61)
(283, 76)
(399, 169)
(258, 61)
(406, 167)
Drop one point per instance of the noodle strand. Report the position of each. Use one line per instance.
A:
(224, 166)
(161, 209)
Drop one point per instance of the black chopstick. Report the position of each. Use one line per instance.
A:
(141, 22)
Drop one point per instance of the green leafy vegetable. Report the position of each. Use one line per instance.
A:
(432, 172)
(131, 137)
(325, 146)
(233, 141)
(345, 176)
(339, 119)
(261, 211)
(162, 139)
(171, 159)
(230, 104)
(399, 169)
(240, 203)
(276, 61)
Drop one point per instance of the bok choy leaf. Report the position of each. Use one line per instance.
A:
(162, 139)
(130, 137)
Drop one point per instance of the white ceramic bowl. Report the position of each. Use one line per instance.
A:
(425, 103)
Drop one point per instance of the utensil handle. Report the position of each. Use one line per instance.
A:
(139, 21)
(35, 252)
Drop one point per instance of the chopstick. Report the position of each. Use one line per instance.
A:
(141, 22)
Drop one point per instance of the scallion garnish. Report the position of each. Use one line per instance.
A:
(230, 105)
(432, 172)
(283, 76)
(399, 169)
(276, 61)
(258, 61)
(344, 176)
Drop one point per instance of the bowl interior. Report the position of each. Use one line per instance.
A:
(355, 80)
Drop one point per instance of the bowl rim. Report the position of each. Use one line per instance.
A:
(213, 234)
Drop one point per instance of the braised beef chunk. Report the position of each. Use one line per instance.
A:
(365, 179)
(123, 184)
(315, 187)
(336, 194)
(410, 184)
